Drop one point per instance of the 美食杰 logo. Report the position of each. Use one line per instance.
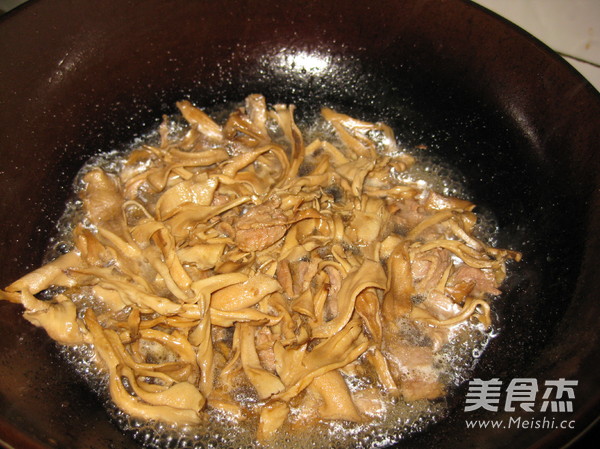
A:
(521, 394)
(557, 396)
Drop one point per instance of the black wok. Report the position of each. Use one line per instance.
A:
(518, 123)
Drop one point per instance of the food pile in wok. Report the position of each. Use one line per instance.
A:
(240, 268)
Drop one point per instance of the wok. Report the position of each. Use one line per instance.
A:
(519, 125)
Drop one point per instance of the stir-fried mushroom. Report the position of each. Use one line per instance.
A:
(236, 257)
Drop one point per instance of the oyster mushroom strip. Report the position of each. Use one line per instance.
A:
(298, 368)
(58, 317)
(180, 402)
(50, 274)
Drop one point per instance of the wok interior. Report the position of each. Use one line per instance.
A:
(534, 176)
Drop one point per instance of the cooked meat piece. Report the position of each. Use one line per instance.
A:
(440, 306)
(102, 199)
(407, 213)
(483, 279)
(369, 402)
(428, 268)
(404, 358)
(415, 389)
(260, 227)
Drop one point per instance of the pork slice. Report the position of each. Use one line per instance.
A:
(484, 281)
(440, 305)
(428, 268)
(260, 227)
(415, 389)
